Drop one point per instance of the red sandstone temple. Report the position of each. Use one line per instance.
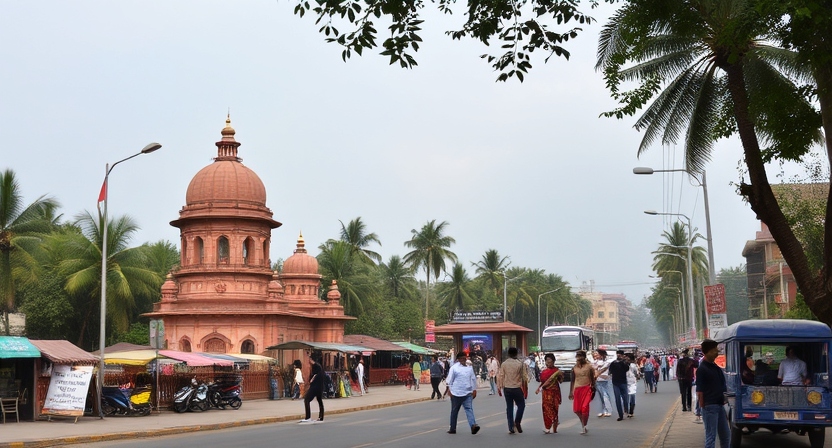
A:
(224, 298)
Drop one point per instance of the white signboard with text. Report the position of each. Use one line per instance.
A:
(68, 388)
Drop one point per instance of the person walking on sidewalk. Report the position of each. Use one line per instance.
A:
(437, 371)
(550, 378)
(493, 367)
(618, 377)
(417, 371)
(359, 371)
(315, 391)
(710, 393)
(462, 385)
(685, 367)
(512, 382)
(297, 387)
(602, 382)
(582, 388)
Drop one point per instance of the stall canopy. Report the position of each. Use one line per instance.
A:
(64, 352)
(323, 346)
(415, 348)
(251, 357)
(130, 357)
(372, 343)
(195, 359)
(17, 347)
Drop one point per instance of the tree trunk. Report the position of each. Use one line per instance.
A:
(6, 322)
(764, 203)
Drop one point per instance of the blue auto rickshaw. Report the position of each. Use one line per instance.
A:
(757, 398)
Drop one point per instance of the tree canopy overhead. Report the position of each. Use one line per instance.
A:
(520, 27)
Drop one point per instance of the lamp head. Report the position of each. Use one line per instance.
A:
(642, 170)
(150, 148)
(651, 212)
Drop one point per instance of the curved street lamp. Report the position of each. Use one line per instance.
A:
(539, 333)
(704, 184)
(102, 197)
(505, 287)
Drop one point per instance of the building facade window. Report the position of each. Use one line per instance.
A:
(223, 251)
(247, 347)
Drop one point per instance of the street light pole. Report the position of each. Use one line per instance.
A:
(505, 287)
(539, 333)
(704, 184)
(102, 197)
(691, 305)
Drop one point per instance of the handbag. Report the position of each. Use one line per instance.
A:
(525, 387)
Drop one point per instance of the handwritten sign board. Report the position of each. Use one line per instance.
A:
(68, 388)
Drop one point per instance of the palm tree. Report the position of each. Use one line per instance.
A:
(398, 278)
(21, 229)
(128, 273)
(455, 294)
(430, 250)
(718, 70)
(355, 233)
(337, 262)
(490, 269)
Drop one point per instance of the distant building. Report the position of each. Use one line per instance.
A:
(224, 298)
(610, 313)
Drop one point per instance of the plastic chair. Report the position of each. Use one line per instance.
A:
(9, 406)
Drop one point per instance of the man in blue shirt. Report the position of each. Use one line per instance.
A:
(710, 393)
(462, 384)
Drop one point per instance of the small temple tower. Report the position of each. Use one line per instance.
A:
(224, 297)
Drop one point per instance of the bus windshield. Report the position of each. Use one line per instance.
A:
(561, 341)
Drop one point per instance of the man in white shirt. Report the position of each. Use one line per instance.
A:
(462, 384)
(493, 367)
(792, 370)
(359, 370)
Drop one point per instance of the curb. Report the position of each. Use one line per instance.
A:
(659, 437)
(75, 440)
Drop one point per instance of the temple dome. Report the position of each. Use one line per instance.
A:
(300, 262)
(227, 179)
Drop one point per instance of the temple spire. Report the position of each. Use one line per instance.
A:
(227, 147)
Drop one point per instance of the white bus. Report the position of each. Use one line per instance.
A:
(563, 341)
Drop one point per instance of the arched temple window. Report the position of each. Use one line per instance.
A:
(199, 247)
(184, 345)
(247, 347)
(223, 251)
(248, 251)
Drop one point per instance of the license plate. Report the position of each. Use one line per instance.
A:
(785, 415)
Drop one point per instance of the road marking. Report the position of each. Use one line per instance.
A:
(388, 442)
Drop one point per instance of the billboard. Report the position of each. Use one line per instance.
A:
(477, 343)
(715, 306)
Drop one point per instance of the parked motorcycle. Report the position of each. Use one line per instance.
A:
(193, 397)
(131, 402)
(226, 392)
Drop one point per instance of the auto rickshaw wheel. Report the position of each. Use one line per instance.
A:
(817, 436)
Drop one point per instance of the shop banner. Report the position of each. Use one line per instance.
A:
(67, 392)
(715, 306)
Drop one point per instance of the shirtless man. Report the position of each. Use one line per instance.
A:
(581, 388)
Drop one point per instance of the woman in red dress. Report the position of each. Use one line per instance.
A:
(550, 379)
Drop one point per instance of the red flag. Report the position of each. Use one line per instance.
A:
(103, 194)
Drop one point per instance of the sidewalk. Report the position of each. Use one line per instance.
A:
(679, 430)
(62, 431)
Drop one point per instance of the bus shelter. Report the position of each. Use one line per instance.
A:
(486, 338)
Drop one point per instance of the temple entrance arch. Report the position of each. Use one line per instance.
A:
(215, 343)
(247, 347)
(185, 345)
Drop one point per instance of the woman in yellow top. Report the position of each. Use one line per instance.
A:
(417, 371)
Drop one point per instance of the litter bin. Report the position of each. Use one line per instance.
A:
(273, 393)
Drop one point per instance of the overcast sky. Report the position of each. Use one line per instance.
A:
(528, 169)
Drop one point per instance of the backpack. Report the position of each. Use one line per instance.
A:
(648, 365)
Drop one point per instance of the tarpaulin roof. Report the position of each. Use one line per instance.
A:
(195, 359)
(371, 342)
(17, 347)
(233, 358)
(415, 348)
(121, 347)
(64, 352)
(130, 358)
(251, 357)
(324, 346)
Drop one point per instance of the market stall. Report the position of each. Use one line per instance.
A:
(18, 375)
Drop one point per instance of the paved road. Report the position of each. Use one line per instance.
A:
(424, 424)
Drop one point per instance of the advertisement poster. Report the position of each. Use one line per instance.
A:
(68, 388)
(430, 336)
(477, 343)
(715, 306)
